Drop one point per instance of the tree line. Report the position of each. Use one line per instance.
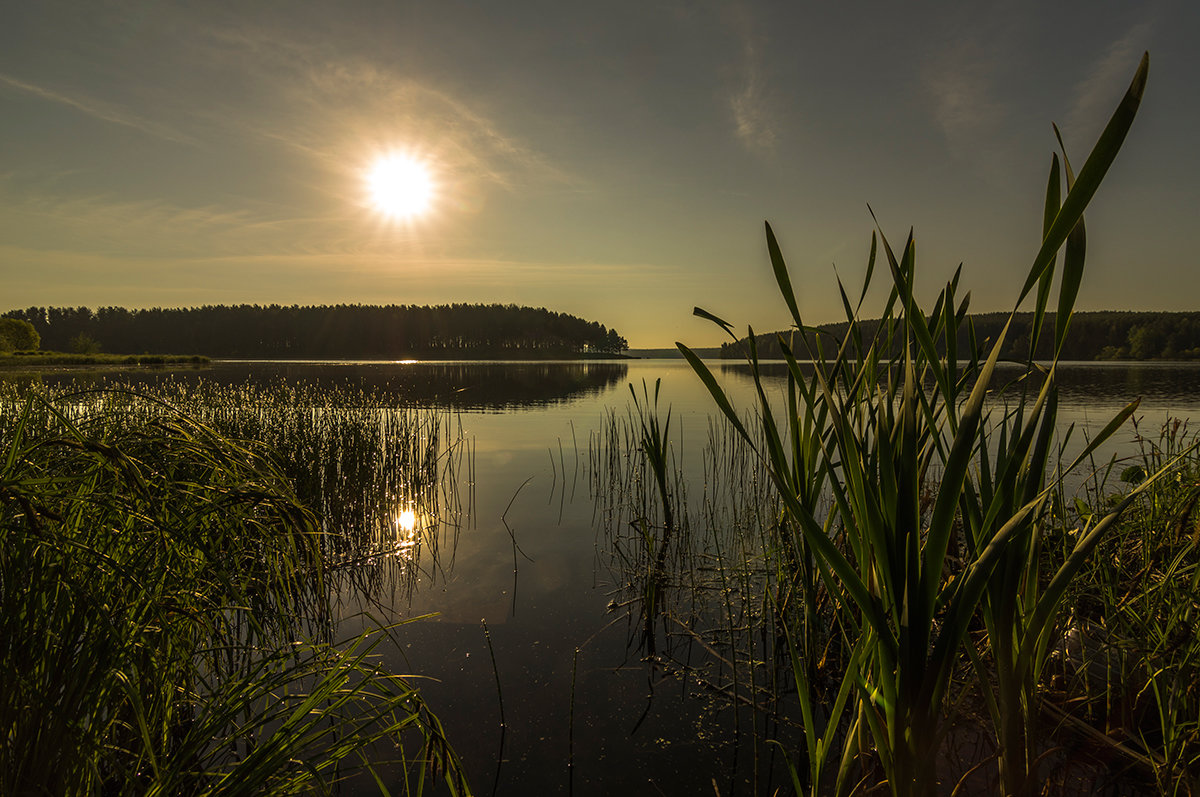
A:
(1098, 335)
(339, 331)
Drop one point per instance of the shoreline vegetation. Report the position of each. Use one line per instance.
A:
(39, 359)
(1096, 336)
(1118, 701)
(378, 332)
(168, 624)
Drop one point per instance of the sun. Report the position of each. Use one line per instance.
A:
(400, 186)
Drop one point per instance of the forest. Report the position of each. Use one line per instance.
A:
(469, 331)
(1099, 335)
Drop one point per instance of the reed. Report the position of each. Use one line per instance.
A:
(1129, 663)
(166, 625)
(654, 437)
(360, 462)
(939, 501)
(707, 599)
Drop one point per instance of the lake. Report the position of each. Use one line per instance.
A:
(540, 543)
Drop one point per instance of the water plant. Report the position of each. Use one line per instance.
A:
(165, 625)
(654, 444)
(937, 500)
(708, 599)
(366, 466)
(1130, 661)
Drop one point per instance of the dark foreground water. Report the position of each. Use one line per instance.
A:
(532, 554)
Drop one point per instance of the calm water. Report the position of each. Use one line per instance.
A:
(575, 687)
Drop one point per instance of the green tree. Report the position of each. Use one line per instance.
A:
(18, 335)
(84, 343)
(614, 343)
(1145, 342)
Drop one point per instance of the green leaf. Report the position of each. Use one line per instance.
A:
(870, 272)
(714, 390)
(1098, 162)
(781, 275)
(1072, 264)
(1053, 203)
(702, 313)
(1113, 425)
(955, 472)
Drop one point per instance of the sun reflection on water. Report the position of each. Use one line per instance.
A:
(406, 521)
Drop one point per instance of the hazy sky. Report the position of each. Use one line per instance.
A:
(614, 160)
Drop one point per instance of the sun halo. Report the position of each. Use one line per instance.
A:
(400, 186)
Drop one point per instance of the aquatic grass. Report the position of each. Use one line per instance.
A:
(711, 541)
(1132, 652)
(869, 424)
(654, 444)
(351, 455)
(636, 488)
(712, 613)
(165, 625)
(19, 360)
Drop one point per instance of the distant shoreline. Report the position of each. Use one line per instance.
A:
(475, 331)
(1094, 336)
(40, 360)
(22, 360)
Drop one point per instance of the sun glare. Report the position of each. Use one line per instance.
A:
(400, 186)
(407, 521)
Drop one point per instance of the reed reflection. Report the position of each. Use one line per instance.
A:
(688, 595)
(473, 385)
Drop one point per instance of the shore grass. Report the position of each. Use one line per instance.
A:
(166, 624)
(1128, 663)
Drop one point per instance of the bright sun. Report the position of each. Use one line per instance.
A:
(400, 186)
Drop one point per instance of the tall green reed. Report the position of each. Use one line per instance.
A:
(165, 624)
(936, 505)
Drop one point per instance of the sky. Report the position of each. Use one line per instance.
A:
(611, 160)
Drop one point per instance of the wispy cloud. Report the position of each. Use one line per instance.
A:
(1100, 89)
(324, 99)
(103, 111)
(160, 228)
(961, 85)
(63, 276)
(140, 227)
(753, 121)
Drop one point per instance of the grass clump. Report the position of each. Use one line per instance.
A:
(165, 626)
